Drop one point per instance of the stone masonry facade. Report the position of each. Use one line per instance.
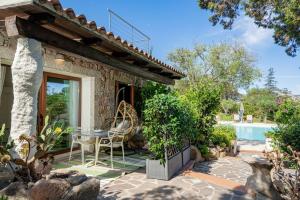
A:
(77, 66)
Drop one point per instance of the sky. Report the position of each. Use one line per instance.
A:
(175, 24)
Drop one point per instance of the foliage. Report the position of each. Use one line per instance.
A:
(229, 106)
(269, 134)
(281, 16)
(230, 66)
(261, 103)
(203, 99)
(287, 182)
(2, 197)
(224, 117)
(40, 145)
(204, 150)
(57, 103)
(288, 122)
(151, 88)
(270, 80)
(222, 136)
(167, 123)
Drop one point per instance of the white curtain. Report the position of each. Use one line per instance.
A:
(2, 78)
(73, 104)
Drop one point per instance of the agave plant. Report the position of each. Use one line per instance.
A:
(41, 143)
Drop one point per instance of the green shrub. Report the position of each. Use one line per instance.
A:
(288, 125)
(203, 98)
(167, 123)
(269, 134)
(222, 136)
(151, 88)
(226, 117)
(204, 151)
(2, 197)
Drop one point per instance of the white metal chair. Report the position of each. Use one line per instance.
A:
(120, 131)
(249, 118)
(236, 118)
(81, 137)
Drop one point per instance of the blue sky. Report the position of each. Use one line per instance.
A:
(174, 24)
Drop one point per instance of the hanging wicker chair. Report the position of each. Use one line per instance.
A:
(125, 114)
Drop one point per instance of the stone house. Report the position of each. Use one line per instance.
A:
(56, 63)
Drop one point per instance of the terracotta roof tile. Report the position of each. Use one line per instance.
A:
(81, 19)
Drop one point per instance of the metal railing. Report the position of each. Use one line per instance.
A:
(127, 31)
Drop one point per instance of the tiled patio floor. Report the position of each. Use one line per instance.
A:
(231, 168)
(103, 172)
(136, 186)
(206, 181)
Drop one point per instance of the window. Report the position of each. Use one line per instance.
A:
(60, 100)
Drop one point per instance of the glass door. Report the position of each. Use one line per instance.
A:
(60, 100)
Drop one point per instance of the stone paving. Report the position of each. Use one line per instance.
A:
(137, 186)
(231, 168)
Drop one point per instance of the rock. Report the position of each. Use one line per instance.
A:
(86, 190)
(137, 141)
(233, 149)
(260, 181)
(76, 179)
(6, 177)
(42, 169)
(16, 190)
(196, 154)
(53, 175)
(214, 153)
(27, 74)
(222, 154)
(52, 189)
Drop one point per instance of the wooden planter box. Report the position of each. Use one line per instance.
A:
(172, 166)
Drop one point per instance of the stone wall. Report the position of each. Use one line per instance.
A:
(74, 65)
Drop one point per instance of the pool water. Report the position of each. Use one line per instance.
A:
(252, 132)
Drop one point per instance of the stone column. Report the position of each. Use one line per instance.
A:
(27, 74)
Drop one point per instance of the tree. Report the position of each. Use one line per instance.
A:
(270, 80)
(260, 103)
(229, 65)
(281, 16)
(203, 99)
(228, 105)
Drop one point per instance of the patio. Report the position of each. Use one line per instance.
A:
(105, 174)
(198, 183)
(224, 178)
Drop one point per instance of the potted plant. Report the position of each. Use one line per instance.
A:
(167, 123)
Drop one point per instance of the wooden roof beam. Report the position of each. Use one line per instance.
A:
(91, 41)
(16, 26)
(41, 18)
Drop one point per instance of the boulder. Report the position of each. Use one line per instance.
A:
(15, 190)
(65, 186)
(52, 189)
(196, 154)
(57, 186)
(261, 182)
(76, 179)
(214, 153)
(89, 189)
(6, 177)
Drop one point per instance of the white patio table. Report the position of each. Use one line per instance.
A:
(97, 134)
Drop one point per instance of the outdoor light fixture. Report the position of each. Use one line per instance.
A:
(59, 58)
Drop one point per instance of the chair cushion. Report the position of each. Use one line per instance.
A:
(123, 125)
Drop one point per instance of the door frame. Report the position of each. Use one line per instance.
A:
(43, 95)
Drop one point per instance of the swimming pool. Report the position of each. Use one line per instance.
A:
(253, 132)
